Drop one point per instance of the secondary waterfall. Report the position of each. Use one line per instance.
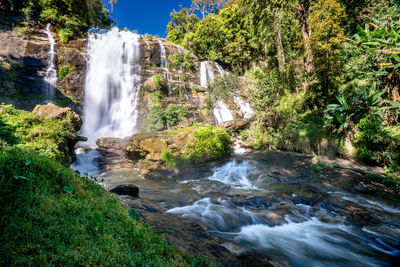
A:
(164, 62)
(50, 77)
(112, 83)
(245, 108)
(221, 111)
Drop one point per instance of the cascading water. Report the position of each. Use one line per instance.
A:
(221, 71)
(112, 83)
(50, 77)
(111, 93)
(164, 62)
(245, 108)
(221, 111)
(203, 74)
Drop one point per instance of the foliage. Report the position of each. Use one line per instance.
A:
(63, 71)
(156, 119)
(183, 62)
(69, 16)
(211, 142)
(182, 22)
(206, 7)
(159, 83)
(325, 23)
(222, 88)
(349, 111)
(377, 144)
(168, 158)
(175, 114)
(26, 130)
(54, 217)
(159, 118)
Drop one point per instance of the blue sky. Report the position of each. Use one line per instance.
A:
(146, 16)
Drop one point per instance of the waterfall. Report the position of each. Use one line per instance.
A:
(245, 108)
(164, 62)
(221, 71)
(112, 83)
(50, 77)
(203, 74)
(221, 112)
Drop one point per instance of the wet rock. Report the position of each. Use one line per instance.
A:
(126, 189)
(236, 125)
(193, 238)
(51, 111)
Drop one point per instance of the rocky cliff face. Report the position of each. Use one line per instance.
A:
(23, 57)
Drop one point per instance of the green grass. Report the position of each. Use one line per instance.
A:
(26, 130)
(51, 216)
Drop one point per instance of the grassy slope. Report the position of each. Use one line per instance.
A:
(51, 216)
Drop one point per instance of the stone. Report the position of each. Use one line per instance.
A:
(51, 111)
(126, 190)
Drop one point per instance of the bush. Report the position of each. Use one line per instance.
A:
(211, 142)
(159, 83)
(63, 71)
(156, 119)
(175, 114)
(65, 34)
(376, 144)
(168, 158)
(26, 130)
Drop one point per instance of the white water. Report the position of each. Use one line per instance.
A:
(203, 74)
(219, 216)
(164, 62)
(50, 77)
(221, 112)
(306, 242)
(112, 83)
(234, 174)
(221, 71)
(245, 109)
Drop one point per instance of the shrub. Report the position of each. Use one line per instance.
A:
(376, 144)
(168, 158)
(156, 119)
(24, 129)
(211, 142)
(63, 71)
(175, 113)
(65, 34)
(159, 83)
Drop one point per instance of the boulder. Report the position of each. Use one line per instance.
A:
(51, 111)
(126, 190)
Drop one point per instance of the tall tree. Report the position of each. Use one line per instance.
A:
(206, 7)
(304, 10)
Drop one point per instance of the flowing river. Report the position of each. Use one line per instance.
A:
(268, 203)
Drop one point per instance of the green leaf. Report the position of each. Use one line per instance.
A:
(27, 163)
(396, 57)
(69, 189)
(60, 171)
(134, 215)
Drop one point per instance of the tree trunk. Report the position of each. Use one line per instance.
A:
(279, 45)
(306, 33)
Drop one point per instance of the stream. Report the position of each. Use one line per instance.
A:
(258, 202)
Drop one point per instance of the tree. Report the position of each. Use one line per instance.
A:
(206, 7)
(182, 22)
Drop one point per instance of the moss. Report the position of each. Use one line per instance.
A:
(63, 71)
